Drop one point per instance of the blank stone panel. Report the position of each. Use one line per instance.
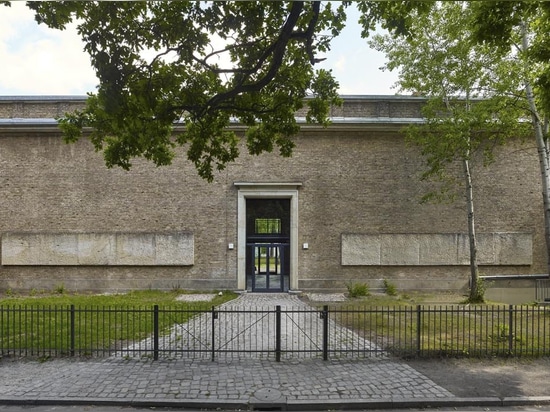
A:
(96, 249)
(93, 249)
(135, 249)
(485, 249)
(359, 249)
(174, 249)
(58, 250)
(400, 250)
(438, 249)
(513, 248)
(504, 249)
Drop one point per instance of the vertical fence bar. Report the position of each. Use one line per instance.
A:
(58, 328)
(213, 336)
(510, 329)
(27, 334)
(156, 332)
(71, 331)
(324, 317)
(95, 317)
(278, 333)
(112, 329)
(418, 329)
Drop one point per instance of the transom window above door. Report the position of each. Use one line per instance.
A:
(267, 226)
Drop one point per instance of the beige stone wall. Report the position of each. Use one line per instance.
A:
(97, 249)
(493, 249)
(356, 179)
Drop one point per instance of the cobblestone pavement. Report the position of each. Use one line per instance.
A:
(237, 383)
(248, 323)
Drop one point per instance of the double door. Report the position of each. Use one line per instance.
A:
(268, 245)
(268, 266)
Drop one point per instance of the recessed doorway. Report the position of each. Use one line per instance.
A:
(267, 237)
(268, 245)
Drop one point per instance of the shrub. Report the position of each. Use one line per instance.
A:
(60, 289)
(356, 290)
(390, 288)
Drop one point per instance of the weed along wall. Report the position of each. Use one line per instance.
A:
(345, 207)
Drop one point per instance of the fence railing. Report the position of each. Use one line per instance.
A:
(420, 331)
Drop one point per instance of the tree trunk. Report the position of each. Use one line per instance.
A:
(476, 291)
(542, 148)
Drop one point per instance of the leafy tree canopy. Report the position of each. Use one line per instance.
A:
(471, 102)
(398, 17)
(204, 65)
(497, 23)
(201, 65)
(471, 95)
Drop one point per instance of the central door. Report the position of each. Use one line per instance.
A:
(268, 245)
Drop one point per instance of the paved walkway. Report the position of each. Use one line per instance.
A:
(293, 384)
(248, 323)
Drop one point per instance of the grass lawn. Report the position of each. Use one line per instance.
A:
(61, 323)
(409, 324)
(130, 299)
(443, 324)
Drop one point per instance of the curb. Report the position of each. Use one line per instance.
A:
(291, 405)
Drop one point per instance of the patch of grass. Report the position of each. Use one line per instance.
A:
(134, 298)
(408, 327)
(42, 324)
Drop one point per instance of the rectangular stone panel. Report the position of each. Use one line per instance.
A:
(96, 249)
(485, 249)
(174, 249)
(505, 249)
(360, 249)
(21, 248)
(438, 249)
(123, 249)
(513, 248)
(135, 249)
(60, 249)
(400, 250)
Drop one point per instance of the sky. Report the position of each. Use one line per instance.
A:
(36, 60)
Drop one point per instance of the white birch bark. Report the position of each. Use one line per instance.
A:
(475, 294)
(542, 148)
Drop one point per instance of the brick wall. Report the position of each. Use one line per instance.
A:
(355, 179)
(38, 107)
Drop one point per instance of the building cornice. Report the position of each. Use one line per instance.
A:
(37, 114)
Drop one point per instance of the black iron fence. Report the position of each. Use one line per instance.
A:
(278, 333)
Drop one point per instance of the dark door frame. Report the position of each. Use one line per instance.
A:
(267, 191)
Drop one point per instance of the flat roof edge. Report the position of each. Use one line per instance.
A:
(301, 121)
(79, 97)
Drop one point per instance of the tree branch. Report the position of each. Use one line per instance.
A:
(276, 51)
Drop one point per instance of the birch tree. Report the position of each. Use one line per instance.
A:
(523, 29)
(466, 111)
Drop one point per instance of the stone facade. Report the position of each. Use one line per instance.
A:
(355, 217)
